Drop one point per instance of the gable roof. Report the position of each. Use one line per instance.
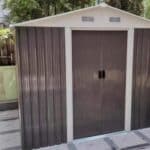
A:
(101, 12)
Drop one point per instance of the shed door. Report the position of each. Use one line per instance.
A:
(99, 65)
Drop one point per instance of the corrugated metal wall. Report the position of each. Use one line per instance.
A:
(41, 59)
(141, 80)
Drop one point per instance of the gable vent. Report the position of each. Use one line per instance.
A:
(114, 19)
(87, 19)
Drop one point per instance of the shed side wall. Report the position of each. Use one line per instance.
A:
(141, 80)
(41, 66)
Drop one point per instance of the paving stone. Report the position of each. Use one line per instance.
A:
(11, 125)
(57, 147)
(122, 140)
(6, 115)
(142, 148)
(146, 132)
(92, 145)
(10, 140)
(13, 148)
(148, 148)
(126, 140)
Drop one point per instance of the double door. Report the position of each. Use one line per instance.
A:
(99, 77)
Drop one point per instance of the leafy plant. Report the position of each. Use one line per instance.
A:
(146, 4)
(133, 6)
(6, 34)
(22, 10)
(7, 53)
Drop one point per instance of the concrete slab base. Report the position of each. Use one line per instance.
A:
(134, 140)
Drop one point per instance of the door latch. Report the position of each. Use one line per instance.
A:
(101, 74)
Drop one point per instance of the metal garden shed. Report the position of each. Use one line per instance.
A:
(83, 73)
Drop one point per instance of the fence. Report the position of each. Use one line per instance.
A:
(7, 52)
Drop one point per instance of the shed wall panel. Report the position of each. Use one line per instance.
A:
(41, 53)
(25, 85)
(63, 87)
(141, 80)
(49, 84)
(34, 86)
(19, 85)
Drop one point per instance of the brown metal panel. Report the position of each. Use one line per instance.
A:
(86, 85)
(113, 86)
(99, 103)
(33, 86)
(19, 75)
(56, 85)
(136, 72)
(49, 85)
(41, 55)
(137, 80)
(41, 86)
(141, 79)
(25, 85)
(145, 81)
(63, 84)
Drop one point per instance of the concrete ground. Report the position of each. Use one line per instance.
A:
(135, 140)
(9, 130)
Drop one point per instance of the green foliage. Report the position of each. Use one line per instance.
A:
(81, 3)
(22, 10)
(147, 8)
(136, 7)
(50, 7)
(114, 3)
(133, 6)
(7, 48)
(6, 34)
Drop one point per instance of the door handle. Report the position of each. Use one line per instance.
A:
(101, 74)
(104, 74)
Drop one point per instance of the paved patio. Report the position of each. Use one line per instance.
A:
(9, 130)
(135, 140)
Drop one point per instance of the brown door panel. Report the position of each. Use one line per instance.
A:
(113, 93)
(86, 84)
(99, 65)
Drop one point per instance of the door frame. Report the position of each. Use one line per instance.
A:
(69, 75)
